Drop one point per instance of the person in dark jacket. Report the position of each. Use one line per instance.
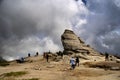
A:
(47, 57)
(106, 56)
(77, 61)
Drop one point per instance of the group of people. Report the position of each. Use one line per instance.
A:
(74, 62)
(46, 56)
(21, 60)
(29, 55)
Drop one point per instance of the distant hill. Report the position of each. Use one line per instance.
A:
(3, 62)
(1, 59)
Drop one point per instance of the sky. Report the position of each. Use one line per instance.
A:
(30, 26)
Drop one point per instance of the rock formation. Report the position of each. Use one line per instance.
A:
(73, 44)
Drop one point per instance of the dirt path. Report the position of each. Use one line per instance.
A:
(59, 71)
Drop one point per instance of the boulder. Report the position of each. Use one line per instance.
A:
(70, 41)
(73, 44)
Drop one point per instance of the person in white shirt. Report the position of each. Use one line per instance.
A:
(72, 63)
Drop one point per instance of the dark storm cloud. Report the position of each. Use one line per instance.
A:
(101, 27)
(1, 1)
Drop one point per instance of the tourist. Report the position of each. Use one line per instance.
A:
(37, 54)
(77, 61)
(47, 57)
(106, 56)
(72, 63)
(28, 54)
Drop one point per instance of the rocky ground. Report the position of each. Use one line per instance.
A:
(38, 69)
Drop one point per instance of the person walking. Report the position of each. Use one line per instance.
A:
(47, 57)
(106, 56)
(72, 63)
(77, 61)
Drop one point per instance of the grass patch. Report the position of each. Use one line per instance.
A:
(15, 74)
(8, 78)
(31, 79)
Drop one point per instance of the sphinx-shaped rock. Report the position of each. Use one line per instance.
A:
(72, 43)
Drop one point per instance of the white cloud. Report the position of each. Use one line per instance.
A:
(34, 25)
(37, 25)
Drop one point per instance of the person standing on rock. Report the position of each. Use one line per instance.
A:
(77, 61)
(72, 63)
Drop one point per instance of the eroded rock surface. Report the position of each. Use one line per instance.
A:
(73, 44)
